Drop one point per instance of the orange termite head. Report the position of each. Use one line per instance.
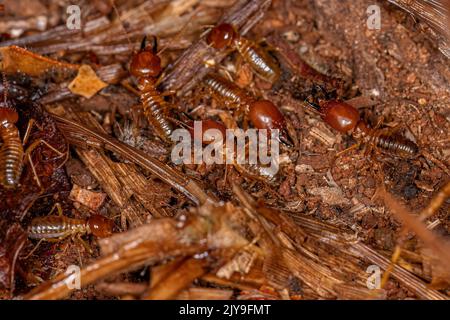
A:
(339, 115)
(206, 125)
(265, 115)
(7, 111)
(146, 62)
(221, 36)
(100, 226)
(8, 114)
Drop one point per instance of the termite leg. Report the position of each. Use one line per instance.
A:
(48, 240)
(33, 146)
(33, 168)
(58, 207)
(34, 249)
(30, 125)
(84, 244)
(340, 153)
(36, 143)
(168, 93)
(126, 84)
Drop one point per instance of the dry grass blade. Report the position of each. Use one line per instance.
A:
(434, 13)
(178, 279)
(81, 136)
(353, 248)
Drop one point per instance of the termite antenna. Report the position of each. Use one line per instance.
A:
(5, 89)
(154, 44)
(143, 43)
(122, 24)
(317, 88)
(313, 105)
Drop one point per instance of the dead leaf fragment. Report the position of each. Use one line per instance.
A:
(16, 59)
(86, 83)
(330, 195)
(92, 200)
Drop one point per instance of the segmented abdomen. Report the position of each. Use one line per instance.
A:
(397, 146)
(226, 91)
(155, 109)
(11, 156)
(261, 62)
(52, 227)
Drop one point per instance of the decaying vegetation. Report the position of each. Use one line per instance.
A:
(213, 231)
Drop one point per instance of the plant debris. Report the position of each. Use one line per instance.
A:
(342, 202)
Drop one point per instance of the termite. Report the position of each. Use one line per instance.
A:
(345, 118)
(255, 171)
(12, 153)
(146, 67)
(54, 228)
(262, 113)
(225, 36)
(226, 92)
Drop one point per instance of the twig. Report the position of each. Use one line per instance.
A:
(178, 279)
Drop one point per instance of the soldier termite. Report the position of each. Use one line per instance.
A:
(146, 66)
(225, 36)
(345, 118)
(262, 113)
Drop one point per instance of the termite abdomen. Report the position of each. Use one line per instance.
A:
(396, 145)
(11, 151)
(225, 91)
(51, 227)
(262, 63)
(155, 109)
(225, 36)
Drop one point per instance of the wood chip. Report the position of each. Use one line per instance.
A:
(92, 200)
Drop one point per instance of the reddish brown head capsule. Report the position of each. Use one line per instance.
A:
(100, 226)
(221, 36)
(265, 115)
(206, 125)
(8, 115)
(145, 64)
(339, 115)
